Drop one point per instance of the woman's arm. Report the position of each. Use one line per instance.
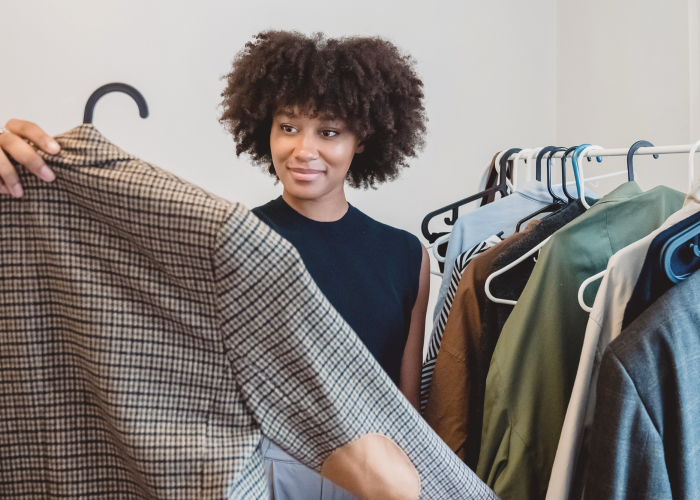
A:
(13, 142)
(412, 362)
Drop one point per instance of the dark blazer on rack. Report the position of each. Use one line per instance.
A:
(645, 440)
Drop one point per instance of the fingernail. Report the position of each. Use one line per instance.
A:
(53, 146)
(45, 173)
(17, 191)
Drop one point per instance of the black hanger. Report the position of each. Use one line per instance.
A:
(538, 172)
(502, 188)
(557, 202)
(563, 173)
(114, 87)
(685, 245)
(630, 155)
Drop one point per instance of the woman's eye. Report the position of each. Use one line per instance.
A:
(329, 133)
(288, 128)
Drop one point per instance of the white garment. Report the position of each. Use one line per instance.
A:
(604, 325)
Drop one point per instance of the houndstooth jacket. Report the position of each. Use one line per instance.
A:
(149, 332)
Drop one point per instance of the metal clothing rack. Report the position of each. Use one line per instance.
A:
(590, 153)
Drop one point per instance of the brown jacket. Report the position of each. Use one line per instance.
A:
(453, 388)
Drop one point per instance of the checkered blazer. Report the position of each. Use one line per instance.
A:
(149, 332)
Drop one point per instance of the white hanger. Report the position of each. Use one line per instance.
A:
(528, 160)
(582, 289)
(515, 167)
(442, 239)
(691, 170)
(509, 266)
(580, 174)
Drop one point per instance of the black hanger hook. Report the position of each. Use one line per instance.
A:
(114, 87)
(630, 155)
(504, 165)
(563, 173)
(538, 171)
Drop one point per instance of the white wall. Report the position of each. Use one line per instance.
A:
(628, 70)
(489, 70)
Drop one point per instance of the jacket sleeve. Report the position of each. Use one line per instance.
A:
(310, 383)
(627, 453)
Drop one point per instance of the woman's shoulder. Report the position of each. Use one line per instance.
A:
(390, 234)
(270, 213)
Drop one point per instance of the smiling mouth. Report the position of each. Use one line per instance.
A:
(305, 174)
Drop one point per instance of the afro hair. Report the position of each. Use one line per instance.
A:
(364, 81)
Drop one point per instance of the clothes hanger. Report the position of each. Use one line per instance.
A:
(549, 151)
(582, 289)
(115, 87)
(528, 160)
(685, 246)
(630, 155)
(557, 203)
(563, 173)
(630, 176)
(691, 171)
(580, 150)
(497, 164)
(515, 166)
(585, 148)
(487, 285)
(502, 188)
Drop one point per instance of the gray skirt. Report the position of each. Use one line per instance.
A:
(291, 480)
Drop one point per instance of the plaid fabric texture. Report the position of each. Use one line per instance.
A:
(149, 332)
(439, 326)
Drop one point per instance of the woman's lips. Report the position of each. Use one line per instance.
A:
(305, 174)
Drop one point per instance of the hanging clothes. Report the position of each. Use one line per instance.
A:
(534, 364)
(645, 440)
(604, 325)
(454, 383)
(439, 328)
(501, 215)
(510, 286)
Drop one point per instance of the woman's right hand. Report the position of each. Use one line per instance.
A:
(13, 142)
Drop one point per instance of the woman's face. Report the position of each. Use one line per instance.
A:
(311, 155)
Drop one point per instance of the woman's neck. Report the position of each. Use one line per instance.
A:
(328, 208)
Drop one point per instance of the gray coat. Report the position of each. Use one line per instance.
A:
(645, 439)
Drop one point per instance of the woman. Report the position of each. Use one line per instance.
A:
(319, 113)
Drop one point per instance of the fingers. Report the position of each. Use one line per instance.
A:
(23, 153)
(10, 180)
(32, 132)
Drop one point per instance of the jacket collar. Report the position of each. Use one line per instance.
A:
(623, 192)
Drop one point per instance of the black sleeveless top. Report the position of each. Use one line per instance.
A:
(367, 270)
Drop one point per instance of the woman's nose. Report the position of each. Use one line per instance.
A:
(305, 149)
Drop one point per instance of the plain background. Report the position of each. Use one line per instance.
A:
(497, 74)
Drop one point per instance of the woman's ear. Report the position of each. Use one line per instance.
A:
(360, 147)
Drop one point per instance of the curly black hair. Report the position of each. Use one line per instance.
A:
(364, 81)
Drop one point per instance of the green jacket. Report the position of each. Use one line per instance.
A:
(534, 365)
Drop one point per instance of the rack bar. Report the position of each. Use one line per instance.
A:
(658, 150)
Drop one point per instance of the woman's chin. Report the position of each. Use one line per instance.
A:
(304, 190)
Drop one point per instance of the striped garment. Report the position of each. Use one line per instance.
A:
(150, 332)
(441, 321)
